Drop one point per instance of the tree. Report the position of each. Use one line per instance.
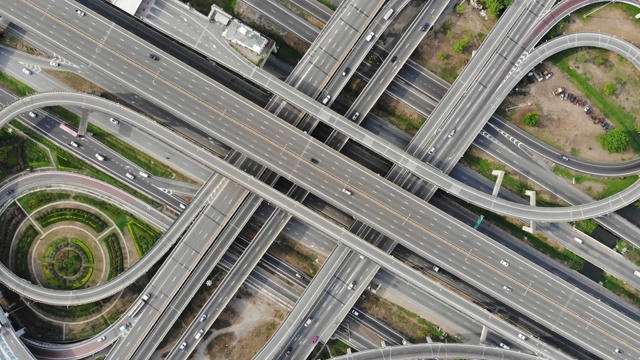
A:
(531, 119)
(461, 45)
(495, 7)
(614, 141)
(610, 88)
(586, 226)
(461, 9)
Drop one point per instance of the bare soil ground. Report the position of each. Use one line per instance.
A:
(566, 126)
(440, 41)
(14, 42)
(251, 319)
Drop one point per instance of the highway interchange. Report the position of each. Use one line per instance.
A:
(297, 165)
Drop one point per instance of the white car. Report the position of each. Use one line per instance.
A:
(183, 345)
(53, 63)
(102, 339)
(182, 206)
(504, 346)
(355, 313)
(453, 132)
(130, 176)
(114, 121)
(27, 71)
(309, 320)
(199, 334)
(203, 317)
(432, 150)
(507, 289)
(522, 336)
(80, 12)
(353, 283)
(504, 263)
(74, 144)
(143, 174)
(32, 114)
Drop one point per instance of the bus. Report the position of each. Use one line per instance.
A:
(69, 130)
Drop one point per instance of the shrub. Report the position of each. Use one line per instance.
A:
(614, 141)
(461, 9)
(610, 88)
(598, 61)
(144, 236)
(38, 199)
(116, 261)
(531, 119)
(461, 45)
(49, 217)
(586, 226)
(442, 55)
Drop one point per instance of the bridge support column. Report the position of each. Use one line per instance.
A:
(84, 121)
(532, 200)
(500, 175)
(483, 334)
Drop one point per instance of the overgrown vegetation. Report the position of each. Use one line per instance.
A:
(144, 236)
(621, 289)
(531, 119)
(496, 7)
(38, 199)
(614, 141)
(629, 251)
(48, 217)
(10, 220)
(586, 226)
(22, 251)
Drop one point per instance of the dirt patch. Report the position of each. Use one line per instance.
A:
(255, 318)
(435, 52)
(18, 44)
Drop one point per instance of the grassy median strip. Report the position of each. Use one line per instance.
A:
(485, 167)
(612, 186)
(67, 161)
(14, 86)
(621, 289)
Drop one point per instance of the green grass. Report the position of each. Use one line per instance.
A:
(69, 162)
(626, 8)
(612, 186)
(14, 86)
(485, 167)
(407, 124)
(204, 6)
(629, 251)
(619, 288)
(36, 155)
(615, 113)
(38, 199)
(328, 4)
(285, 52)
(144, 236)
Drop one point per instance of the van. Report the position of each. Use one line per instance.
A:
(325, 101)
(99, 157)
(387, 16)
(199, 334)
(578, 240)
(370, 36)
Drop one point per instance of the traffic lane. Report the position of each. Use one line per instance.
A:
(474, 197)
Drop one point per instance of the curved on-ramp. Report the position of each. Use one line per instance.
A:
(594, 209)
(438, 351)
(443, 181)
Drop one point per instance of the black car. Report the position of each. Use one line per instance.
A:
(393, 59)
(314, 160)
(288, 352)
(10, 191)
(154, 57)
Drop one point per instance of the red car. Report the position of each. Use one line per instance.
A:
(315, 340)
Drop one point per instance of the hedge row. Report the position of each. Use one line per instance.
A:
(38, 199)
(22, 252)
(85, 248)
(52, 216)
(9, 222)
(116, 260)
(112, 210)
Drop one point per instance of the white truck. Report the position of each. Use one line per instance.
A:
(636, 273)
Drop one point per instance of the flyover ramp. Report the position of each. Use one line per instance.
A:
(438, 351)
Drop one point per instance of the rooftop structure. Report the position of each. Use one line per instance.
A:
(241, 34)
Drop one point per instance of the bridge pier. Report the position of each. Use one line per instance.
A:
(500, 175)
(532, 200)
(485, 332)
(84, 122)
